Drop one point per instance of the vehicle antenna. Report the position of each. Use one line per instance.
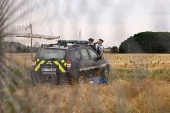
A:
(51, 32)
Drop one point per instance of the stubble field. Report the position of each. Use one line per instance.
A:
(137, 83)
(118, 61)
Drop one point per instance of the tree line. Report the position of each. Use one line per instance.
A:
(16, 47)
(146, 42)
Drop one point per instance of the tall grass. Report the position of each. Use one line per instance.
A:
(128, 90)
(119, 96)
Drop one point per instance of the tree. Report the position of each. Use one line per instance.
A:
(114, 49)
(42, 45)
(18, 47)
(146, 42)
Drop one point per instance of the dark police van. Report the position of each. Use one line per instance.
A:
(63, 63)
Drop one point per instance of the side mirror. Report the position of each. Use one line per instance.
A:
(96, 59)
(100, 58)
(36, 50)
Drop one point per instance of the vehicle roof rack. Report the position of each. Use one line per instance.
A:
(65, 42)
(73, 42)
(51, 45)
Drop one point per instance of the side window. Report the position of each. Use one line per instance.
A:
(93, 54)
(77, 55)
(85, 54)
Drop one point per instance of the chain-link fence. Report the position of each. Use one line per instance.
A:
(137, 82)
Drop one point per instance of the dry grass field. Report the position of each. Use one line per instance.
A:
(23, 59)
(137, 83)
(142, 61)
(126, 61)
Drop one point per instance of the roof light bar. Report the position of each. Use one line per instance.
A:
(73, 41)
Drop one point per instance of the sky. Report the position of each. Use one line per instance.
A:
(112, 20)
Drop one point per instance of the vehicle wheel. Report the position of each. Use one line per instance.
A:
(82, 79)
(106, 72)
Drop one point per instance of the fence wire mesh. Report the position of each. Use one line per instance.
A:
(137, 82)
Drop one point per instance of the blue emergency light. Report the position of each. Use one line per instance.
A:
(73, 41)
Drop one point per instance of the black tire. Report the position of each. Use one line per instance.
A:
(106, 71)
(63, 79)
(82, 78)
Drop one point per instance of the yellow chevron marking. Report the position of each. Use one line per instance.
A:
(42, 62)
(37, 60)
(65, 64)
(35, 63)
(60, 67)
(63, 61)
(49, 63)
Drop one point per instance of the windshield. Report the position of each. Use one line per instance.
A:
(52, 54)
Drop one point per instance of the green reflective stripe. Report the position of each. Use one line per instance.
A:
(38, 66)
(60, 67)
